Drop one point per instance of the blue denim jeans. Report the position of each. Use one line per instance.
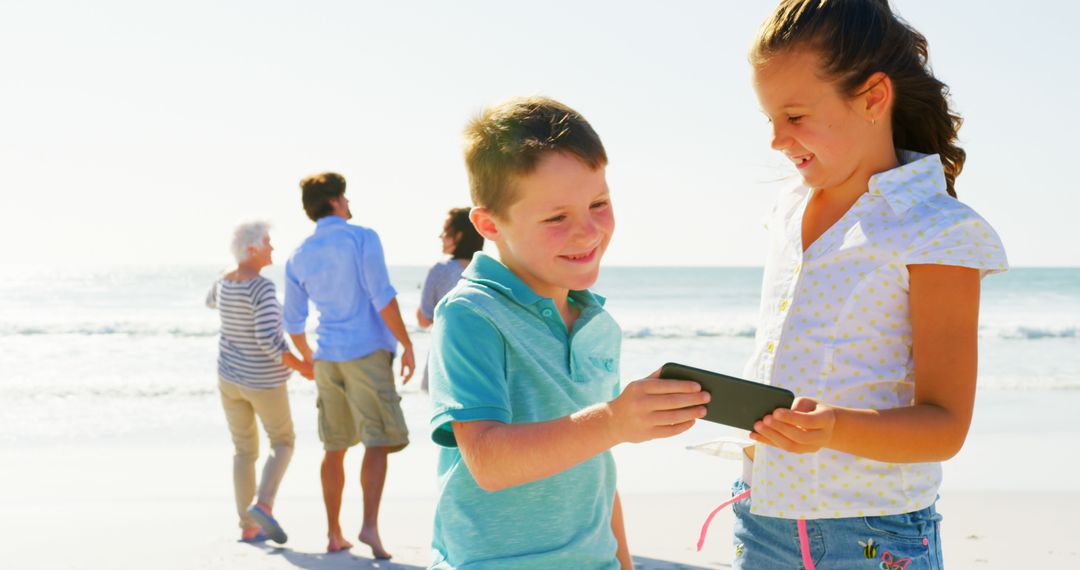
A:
(909, 541)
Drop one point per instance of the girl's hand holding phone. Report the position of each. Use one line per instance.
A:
(806, 428)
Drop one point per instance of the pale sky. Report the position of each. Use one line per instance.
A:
(141, 132)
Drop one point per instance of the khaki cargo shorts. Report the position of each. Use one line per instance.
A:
(358, 403)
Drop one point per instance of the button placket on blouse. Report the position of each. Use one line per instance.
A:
(779, 321)
(823, 245)
(783, 315)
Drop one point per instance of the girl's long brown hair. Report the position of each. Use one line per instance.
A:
(857, 38)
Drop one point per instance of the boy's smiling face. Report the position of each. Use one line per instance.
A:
(556, 232)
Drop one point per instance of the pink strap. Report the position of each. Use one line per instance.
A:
(804, 544)
(708, 521)
(804, 540)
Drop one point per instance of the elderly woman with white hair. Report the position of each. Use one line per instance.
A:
(254, 363)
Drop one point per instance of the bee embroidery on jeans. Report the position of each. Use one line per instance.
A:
(869, 549)
(738, 550)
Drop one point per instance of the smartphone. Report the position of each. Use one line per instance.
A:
(735, 402)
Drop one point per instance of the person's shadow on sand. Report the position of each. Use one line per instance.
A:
(643, 563)
(327, 561)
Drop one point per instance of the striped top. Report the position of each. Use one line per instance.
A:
(249, 352)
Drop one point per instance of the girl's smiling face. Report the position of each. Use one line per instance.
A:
(827, 136)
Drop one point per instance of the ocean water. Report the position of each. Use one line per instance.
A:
(131, 351)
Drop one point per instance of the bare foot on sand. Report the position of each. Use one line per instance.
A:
(338, 543)
(370, 537)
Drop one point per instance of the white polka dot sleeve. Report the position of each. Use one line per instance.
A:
(961, 239)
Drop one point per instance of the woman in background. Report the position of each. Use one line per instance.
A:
(460, 241)
(253, 365)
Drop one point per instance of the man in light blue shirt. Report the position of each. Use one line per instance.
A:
(341, 269)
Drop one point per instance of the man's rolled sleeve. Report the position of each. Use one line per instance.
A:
(376, 277)
(467, 371)
(296, 303)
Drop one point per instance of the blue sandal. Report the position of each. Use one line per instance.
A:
(260, 537)
(269, 525)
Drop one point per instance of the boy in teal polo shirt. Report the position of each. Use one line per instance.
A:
(524, 361)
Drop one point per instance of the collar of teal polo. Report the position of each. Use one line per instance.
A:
(490, 272)
(918, 178)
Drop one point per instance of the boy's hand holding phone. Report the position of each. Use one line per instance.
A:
(653, 408)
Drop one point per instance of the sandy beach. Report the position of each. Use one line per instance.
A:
(161, 498)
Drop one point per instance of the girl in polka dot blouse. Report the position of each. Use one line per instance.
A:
(870, 301)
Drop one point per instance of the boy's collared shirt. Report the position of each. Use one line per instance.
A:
(835, 325)
(342, 270)
(500, 352)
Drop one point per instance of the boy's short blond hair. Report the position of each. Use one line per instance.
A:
(507, 140)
